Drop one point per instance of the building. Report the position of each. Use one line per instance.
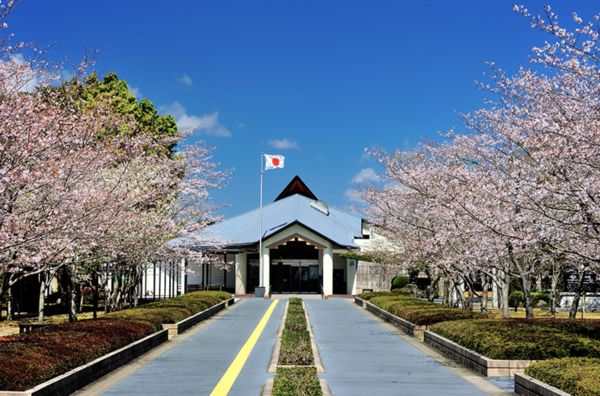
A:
(305, 248)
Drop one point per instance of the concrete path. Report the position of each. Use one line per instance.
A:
(195, 365)
(362, 356)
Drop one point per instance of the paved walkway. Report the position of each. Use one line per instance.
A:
(194, 366)
(363, 357)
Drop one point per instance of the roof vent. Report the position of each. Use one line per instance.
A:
(321, 206)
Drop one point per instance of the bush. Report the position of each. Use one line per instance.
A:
(517, 299)
(528, 339)
(31, 358)
(577, 376)
(296, 381)
(370, 295)
(399, 281)
(421, 312)
(172, 310)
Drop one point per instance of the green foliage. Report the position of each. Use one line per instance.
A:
(369, 295)
(296, 348)
(296, 381)
(357, 256)
(517, 299)
(399, 281)
(528, 339)
(115, 93)
(31, 358)
(577, 376)
(421, 312)
(172, 310)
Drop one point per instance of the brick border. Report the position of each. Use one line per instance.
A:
(529, 386)
(81, 376)
(179, 327)
(478, 362)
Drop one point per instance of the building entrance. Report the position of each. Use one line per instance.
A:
(295, 268)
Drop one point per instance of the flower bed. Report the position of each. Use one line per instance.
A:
(297, 381)
(532, 339)
(296, 348)
(577, 376)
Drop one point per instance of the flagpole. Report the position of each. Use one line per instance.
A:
(260, 252)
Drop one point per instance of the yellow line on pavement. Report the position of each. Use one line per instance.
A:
(227, 380)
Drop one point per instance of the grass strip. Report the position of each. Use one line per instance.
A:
(296, 348)
(296, 381)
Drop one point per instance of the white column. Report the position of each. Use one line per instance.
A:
(327, 271)
(265, 270)
(241, 269)
(182, 285)
(351, 276)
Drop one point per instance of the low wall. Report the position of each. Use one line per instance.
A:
(360, 302)
(187, 323)
(529, 386)
(81, 376)
(474, 360)
(591, 302)
(402, 324)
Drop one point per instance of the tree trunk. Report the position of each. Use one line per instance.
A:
(9, 303)
(95, 294)
(485, 285)
(577, 297)
(527, 296)
(553, 286)
(42, 297)
(538, 282)
(505, 294)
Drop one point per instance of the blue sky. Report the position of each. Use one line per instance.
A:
(325, 79)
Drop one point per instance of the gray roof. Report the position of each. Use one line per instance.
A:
(338, 227)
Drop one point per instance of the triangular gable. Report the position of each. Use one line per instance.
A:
(296, 186)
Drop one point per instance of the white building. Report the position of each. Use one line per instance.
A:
(304, 242)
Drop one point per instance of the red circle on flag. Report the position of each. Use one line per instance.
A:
(275, 161)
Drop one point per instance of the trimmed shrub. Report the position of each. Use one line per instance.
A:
(577, 376)
(296, 381)
(517, 299)
(172, 310)
(528, 339)
(399, 281)
(29, 359)
(370, 295)
(421, 312)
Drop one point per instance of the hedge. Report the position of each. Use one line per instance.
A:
(399, 281)
(32, 358)
(420, 312)
(528, 339)
(517, 298)
(296, 381)
(577, 376)
(29, 359)
(296, 348)
(369, 295)
(172, 310)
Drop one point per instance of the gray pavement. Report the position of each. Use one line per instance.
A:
(363, 357)
(196, 365)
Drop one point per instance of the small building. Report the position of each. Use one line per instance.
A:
(308, 247)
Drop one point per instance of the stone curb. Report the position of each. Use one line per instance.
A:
(403, 324)
(478, 362)
(181, 326)
(70, 381)
(529, 386)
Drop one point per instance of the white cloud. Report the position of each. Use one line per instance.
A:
(207, 124)
(185, 80)
(283, 144)
(29, 79)
(353, 195)
(366, 175)
(135, 91)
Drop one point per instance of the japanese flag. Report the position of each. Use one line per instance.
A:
(274, 161)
